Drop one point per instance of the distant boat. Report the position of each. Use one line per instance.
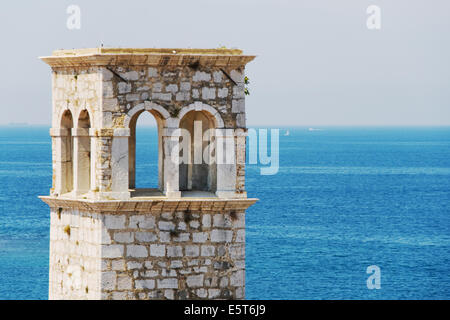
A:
(314, 129)
(286, 133)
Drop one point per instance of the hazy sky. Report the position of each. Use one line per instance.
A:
(317, 63)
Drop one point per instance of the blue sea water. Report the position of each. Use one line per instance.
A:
(343, 199)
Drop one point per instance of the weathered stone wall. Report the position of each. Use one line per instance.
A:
(77, 89)
(75, 254)
(114, 91)
(173, 89)
(169, 255)
(74, 90)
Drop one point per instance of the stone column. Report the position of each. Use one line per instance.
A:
(171, 167)
(119, 164)
(62, 141)
(94, 185)
(82, 160)
(111, 160)
(226, 163)
(132, 157)
(240, 139)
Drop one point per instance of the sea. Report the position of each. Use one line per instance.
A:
(343, 199)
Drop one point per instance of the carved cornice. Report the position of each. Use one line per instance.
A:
(98, 57)
(150, 205)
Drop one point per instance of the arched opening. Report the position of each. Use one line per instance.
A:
(82, 168)
(66, 153)
(198, 170)
(145, 153)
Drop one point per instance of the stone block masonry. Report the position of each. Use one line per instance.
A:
(176, 254)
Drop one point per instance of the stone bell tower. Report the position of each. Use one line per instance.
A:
(184, 240)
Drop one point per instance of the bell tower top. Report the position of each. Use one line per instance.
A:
(197, 97)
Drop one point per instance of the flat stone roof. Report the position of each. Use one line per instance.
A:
(220, 57)
(77, 52)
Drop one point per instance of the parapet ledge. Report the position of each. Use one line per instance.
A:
(150, 205)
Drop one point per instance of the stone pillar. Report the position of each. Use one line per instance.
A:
(94, 185)
(226, 163)
(82, 160)
(63, 160)
(171, 168)
(103, 167)
(240, 140)
(132, 157)
(112, 163)
(119, 164)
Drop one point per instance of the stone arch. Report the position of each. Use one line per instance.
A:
(82, 112)
(161, 116)
(84, 119)
(62, 112)
(154, 108)
(66, 119)
(198, 168)
(200, 106)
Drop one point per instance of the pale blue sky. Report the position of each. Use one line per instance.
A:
(317, 62)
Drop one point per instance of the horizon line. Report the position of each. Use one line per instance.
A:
(260, 125)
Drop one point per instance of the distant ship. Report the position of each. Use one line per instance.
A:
(314, 129)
